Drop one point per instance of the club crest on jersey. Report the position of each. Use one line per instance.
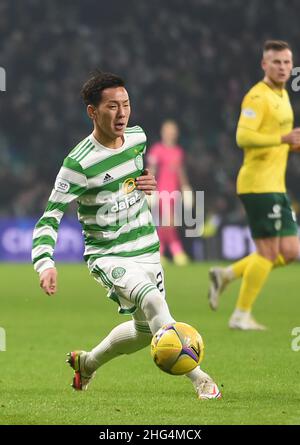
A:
(61, 185)
(129, 185)
(118, 272)
(139, 162)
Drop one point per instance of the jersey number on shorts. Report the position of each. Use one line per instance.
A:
(159, 280)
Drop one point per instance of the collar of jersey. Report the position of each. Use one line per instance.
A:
(276, 91)
(111, 150)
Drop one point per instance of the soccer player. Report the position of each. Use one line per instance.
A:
(104, 174)
(265, 133)
(166, 162)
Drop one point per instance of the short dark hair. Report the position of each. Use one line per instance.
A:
(276, 45)
(91, 91)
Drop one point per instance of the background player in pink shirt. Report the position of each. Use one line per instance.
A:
(166, 162)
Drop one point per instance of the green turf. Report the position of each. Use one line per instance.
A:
(258, 371)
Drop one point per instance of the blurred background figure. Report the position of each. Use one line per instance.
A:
(166, 162)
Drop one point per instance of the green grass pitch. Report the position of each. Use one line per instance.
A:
(258, 372)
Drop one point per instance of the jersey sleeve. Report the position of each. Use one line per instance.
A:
(70, 183)
(252, 112)
(251, 117)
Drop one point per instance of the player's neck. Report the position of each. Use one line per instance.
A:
(107, 141)
(168, 144)
(274, 85)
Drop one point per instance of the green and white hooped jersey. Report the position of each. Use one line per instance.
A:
(114, 215)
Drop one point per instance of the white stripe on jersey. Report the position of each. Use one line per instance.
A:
(57, 214)
(116, 172)
(45, 231)
(62, 198)
(39, 250)
(130, 246)
(43, 264)
(105, 217)
(72, 176)
(143, 219)
(100, 153)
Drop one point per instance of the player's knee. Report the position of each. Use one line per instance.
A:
(290, 252)
(152, 303)
(269, 255)
(143, 331)
(267, 250)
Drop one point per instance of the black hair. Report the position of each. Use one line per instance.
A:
(91, 91)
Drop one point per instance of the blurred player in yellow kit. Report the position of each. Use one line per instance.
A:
(265, 133)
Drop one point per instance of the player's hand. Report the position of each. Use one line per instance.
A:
(146, 182)
(48, 281)
(292, 138)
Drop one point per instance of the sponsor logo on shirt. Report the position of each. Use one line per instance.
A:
(61, 185)
(127, 202)
(107, 177)
(248, 112)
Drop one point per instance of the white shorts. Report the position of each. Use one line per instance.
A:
(121, 275)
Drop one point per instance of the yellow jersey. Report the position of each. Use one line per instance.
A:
(266, 115)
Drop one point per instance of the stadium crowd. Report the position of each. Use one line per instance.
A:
(190, 61)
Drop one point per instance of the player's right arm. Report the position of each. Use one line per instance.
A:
(251, 118)
(70, 183)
